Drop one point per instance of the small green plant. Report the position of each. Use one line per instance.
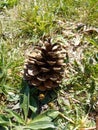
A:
(3, 67)
(16, 121)
(36, 19)
(7, 3)
(9, 67)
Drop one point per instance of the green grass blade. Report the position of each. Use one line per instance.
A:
(16, 116)
(25, 100)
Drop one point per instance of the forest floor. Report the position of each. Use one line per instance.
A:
(74, 105)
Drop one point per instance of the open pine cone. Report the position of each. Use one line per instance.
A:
(44, 68)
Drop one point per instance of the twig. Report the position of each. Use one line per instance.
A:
(62, 115)
(91, 128)
(97, 122)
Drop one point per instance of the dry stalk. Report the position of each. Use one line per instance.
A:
(91, 128)
(96, 122)
(62, 115)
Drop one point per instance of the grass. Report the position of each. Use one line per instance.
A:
(74, 23)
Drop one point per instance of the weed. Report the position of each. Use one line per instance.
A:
(7, 3)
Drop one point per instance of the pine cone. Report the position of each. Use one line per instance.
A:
(44, 68)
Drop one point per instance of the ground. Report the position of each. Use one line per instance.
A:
(74, 24)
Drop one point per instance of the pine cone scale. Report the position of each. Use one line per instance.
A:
(45, 69)
(51, 62)
(39, 62)
(35, 82)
